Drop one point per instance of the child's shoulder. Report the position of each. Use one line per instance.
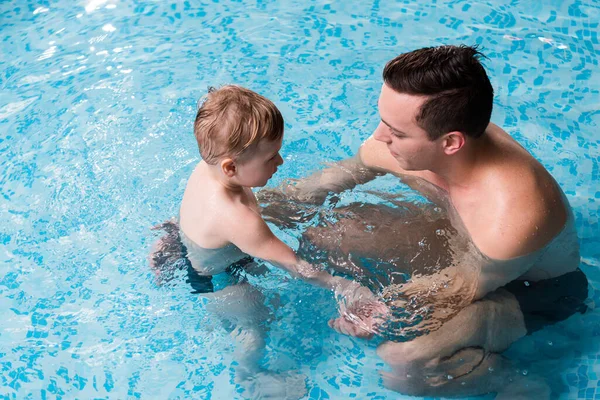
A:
(218, 213)
(243, 212)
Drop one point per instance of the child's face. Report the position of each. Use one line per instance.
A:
(260, 164)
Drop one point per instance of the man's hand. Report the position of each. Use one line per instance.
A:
(297, 190)
(283, 209)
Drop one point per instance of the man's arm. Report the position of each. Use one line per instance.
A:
(294, 201)
(338, 177)
(512, 242)
(373, 159)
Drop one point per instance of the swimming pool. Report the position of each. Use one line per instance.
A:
(96, 114)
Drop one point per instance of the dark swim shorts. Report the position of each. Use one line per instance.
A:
(205, 283)
(552, 300)
(170, 256)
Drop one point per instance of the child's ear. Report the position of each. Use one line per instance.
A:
(228, 167)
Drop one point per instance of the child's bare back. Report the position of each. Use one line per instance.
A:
(204, 230)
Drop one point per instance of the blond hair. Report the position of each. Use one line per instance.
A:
(232, 119)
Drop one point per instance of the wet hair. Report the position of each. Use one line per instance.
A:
(233, 119)
(458, 90)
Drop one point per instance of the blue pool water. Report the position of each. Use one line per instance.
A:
(96, 109)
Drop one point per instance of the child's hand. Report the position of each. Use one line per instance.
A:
(361, 311)
(362, 323)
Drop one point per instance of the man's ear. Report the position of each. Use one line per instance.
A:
(453, 142)
(228, 167)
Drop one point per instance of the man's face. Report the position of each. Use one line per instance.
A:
(407, 142)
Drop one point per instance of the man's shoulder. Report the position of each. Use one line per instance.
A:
(523, 209)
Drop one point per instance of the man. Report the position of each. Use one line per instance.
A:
(435, 133)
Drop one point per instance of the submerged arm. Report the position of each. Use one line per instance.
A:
(338, 177)
(294, 202)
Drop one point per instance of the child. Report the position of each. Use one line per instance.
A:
(239, 134)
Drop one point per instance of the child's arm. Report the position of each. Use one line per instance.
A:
(361, 310)
(251, 234)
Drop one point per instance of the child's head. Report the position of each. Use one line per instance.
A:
(241, 131)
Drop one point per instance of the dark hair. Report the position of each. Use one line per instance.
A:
(459, 92)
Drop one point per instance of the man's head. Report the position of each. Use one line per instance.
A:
(241, 131)
(458, 90)
(440, 95)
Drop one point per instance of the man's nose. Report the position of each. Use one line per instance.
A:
(380, 133)
(279, 160)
